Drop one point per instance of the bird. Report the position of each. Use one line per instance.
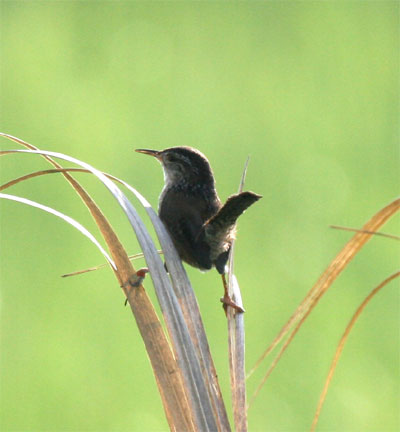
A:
(200, 226)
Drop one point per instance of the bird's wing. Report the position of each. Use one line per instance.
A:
(185, 229)
(193, 246)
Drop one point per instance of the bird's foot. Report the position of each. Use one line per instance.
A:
(227, 301)
(137, 279)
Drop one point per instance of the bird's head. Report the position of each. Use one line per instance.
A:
(183, 165)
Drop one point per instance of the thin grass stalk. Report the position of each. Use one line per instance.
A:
(236, 340)
(376, 233)
(348, 252)
(342, 342)
(100, 266)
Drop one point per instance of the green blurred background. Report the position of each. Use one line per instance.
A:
(310, 90)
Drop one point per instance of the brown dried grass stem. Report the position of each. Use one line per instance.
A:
(322, 285)
(343, 228)
(167, 374)
(187, 299)
(236, 340)
(342, 342)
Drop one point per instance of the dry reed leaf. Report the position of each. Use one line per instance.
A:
(17, 180)
(190, 309)
(173, 394)
(377, 233)
(99, 266)
(321, 286)
(202, 407)
(236, 340)
(56, 171)
(185, 295)
(65, 218)
(342, 343)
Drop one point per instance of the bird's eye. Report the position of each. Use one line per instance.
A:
(171, 158)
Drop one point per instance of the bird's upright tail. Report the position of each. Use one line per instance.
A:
(227, 215)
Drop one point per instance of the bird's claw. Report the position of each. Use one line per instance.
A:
(227, 301)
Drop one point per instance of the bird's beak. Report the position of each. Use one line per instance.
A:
(154, 153)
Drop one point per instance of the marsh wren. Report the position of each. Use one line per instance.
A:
(201, 228)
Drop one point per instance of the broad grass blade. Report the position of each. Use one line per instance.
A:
(197, 391)
(182, 288)
(175, 402)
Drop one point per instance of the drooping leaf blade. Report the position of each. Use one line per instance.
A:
(64, 217)
(183, 344)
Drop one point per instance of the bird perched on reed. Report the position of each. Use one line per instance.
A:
(201, 228)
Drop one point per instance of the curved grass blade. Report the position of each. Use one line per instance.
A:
(173, 395)
(66, 218)
(189, 362)
(65, 170)
(342, 342)
(190, 309)
(38, 174)
(182, 288)
(322, 285)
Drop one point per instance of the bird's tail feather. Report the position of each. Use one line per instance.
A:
(227, 215)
